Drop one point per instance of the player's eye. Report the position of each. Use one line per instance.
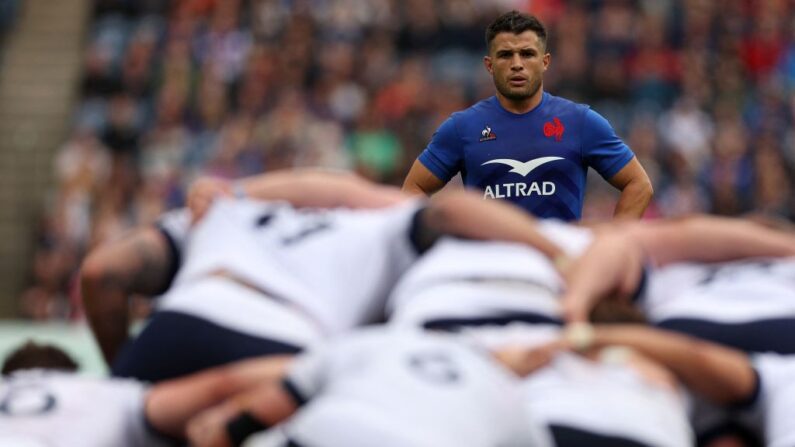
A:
(527, 54)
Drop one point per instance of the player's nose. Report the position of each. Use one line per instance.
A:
(516, 62)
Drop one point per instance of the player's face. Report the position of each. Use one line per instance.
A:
(517, 63)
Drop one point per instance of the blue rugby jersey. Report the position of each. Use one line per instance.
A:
(538, 160)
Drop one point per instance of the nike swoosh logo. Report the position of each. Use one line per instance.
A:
(523, 168)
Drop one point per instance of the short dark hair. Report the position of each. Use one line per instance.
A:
(33, 355)
(516, 22)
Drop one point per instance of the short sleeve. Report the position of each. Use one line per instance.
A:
(307, 375)
(602, 149)
(444, 153)
(313, 370)
(175, 226)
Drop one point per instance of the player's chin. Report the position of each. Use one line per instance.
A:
(517, 94)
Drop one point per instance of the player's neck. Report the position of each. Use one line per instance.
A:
(522, 106)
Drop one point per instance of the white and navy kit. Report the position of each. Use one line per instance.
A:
(588, 403)
(775, 401)
(175, 226)
(749, 305)
(54, 409)
(256, 271)
(596, 404)
(395, 387)
(460, 283)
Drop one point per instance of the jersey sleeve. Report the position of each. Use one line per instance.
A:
(175, 226)
(602, 149)
(306, 377)
(313, 370)
(444, 154)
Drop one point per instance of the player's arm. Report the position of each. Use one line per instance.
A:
(301, 187)
(465, 214)
(420, 180)
(253, 411)
(438, 163)
(523, 361)
(721, 375)
(603, 150)
(170, 405)
(710, 239)
(269, 403)
(611, 268)
(612, 265)
(636, 190)
(139, 263)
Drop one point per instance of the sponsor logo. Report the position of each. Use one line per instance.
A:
(486, 134)
(508, 190)
(554, 129)
(522, 168)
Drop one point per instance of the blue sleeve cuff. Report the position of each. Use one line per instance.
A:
(435, 165)
(618, 165)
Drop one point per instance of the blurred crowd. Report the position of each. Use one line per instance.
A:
(702, 91)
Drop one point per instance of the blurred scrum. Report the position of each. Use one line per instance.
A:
(700, 90)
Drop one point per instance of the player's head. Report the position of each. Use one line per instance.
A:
(517, 54)
(32, 355)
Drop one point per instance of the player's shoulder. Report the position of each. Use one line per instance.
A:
(559, 105)
(478, 110)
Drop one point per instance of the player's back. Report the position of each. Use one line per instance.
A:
(731, 291)
(585, 402)
(460, 279)
(748, 304)
(336, 264)
(580, 399)
(60, 409)
(407, 388)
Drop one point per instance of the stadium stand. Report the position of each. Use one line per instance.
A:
(175, 89)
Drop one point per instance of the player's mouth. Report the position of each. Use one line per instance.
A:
(517, 81)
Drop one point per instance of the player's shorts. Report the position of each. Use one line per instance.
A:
(174, 344)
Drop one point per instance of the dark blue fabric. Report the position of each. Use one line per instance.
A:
(175, 258)
(771, 335)
(493, 150)
(174, 344)
(293, 391)
(454, 324)
(241, 427)
(575, 437)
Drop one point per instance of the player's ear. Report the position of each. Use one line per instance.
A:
(547, 59)
(487, 64)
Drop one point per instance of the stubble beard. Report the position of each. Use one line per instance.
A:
(518, 95)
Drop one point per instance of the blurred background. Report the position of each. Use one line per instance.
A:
(110, 108)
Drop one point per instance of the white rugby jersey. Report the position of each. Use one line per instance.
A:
(176, 225)
(57, 409)
(602, 399)
(732, 292)
(335, 266)
(607, 400)
(469, 279)
(776, 400)
(395, 387)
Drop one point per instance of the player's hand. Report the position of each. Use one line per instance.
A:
(524, 361)
(575, 309)
(203, 193)
(208, 429)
